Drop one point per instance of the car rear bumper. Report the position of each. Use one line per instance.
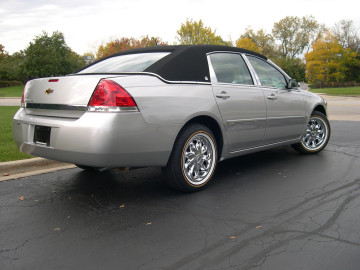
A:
(97, 139)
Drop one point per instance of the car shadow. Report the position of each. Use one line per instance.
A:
(148, 183)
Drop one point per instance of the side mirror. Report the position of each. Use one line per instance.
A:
(292, 84)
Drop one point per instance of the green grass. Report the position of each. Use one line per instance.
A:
(8, 149)
(347, 91)
(12, 91)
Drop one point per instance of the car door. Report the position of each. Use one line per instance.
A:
(241, 104)
(285, 107)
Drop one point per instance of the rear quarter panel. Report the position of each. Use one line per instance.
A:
(170, 103)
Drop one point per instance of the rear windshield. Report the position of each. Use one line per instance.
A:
(126, 63)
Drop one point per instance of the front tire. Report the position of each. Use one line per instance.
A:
(317, 135)
(193, 160)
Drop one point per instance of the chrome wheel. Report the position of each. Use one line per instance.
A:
(198, 158)
(316, 135)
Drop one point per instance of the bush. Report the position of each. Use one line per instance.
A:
(10, 83)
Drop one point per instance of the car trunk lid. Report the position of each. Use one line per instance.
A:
(60, 96)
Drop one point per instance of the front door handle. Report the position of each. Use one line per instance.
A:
(272, 97)
(222, 95)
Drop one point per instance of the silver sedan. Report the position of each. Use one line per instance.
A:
(183, 108)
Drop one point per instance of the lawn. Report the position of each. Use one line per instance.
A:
(12, 91)
(8, 150)
(348, 91)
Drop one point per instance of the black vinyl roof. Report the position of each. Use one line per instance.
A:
(185, 62)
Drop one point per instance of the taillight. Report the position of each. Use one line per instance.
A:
(109, 97)
(23, 96)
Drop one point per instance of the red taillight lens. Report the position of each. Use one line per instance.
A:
(23, 96)
(108, 93)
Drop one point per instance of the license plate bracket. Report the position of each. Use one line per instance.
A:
(42, 135)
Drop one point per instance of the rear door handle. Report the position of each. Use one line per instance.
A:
(222, 95)
(272, 97)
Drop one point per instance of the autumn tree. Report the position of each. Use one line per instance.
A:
(328, 61)
(192, 32)
(248, 44)
(265, 43)
(50, 56)
(296, 34)
(124, 43)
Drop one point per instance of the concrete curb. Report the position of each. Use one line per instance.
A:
(28, 167)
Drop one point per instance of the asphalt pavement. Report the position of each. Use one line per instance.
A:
(270, 210)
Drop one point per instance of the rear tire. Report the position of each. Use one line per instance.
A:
(193, 159)
(317, 135)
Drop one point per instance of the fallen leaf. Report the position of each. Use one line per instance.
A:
(149, 223)
(258, 227)
(36, 200)
(21, 198)
(56, 229)
(68, 217)
(5, 174)
(122, 206)
(279, 173)
(233, 237)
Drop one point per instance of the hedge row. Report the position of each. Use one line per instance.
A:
(334, 84)
(10, 83)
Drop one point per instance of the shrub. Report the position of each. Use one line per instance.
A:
(10, 83)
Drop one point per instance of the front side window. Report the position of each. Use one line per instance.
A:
(230, 68)
(126, 63)
(268, 75)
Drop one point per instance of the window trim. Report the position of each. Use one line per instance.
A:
(271, 63)
(213, 78)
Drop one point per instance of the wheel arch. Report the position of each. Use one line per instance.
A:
(320, 108)
(213, 125)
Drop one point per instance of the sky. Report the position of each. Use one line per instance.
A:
(86, 24)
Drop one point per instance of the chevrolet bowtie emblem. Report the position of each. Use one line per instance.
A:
(49, 91)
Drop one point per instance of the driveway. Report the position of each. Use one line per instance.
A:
(10, 101)
(343, 108)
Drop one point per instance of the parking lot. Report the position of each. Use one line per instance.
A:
(271, 210)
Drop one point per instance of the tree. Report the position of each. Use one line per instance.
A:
(3, 53)
(347, 35)
(248, 44)
(193, 32)
(328, 61)
(50, 56)
(296, 34)
(264, 42)
(125, 43)
(294, 67)
(11, 67)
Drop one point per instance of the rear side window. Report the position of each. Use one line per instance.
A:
(230, 68)
(126, 63)
(268, 75)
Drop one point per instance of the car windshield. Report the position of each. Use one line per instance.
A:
(125, 63)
